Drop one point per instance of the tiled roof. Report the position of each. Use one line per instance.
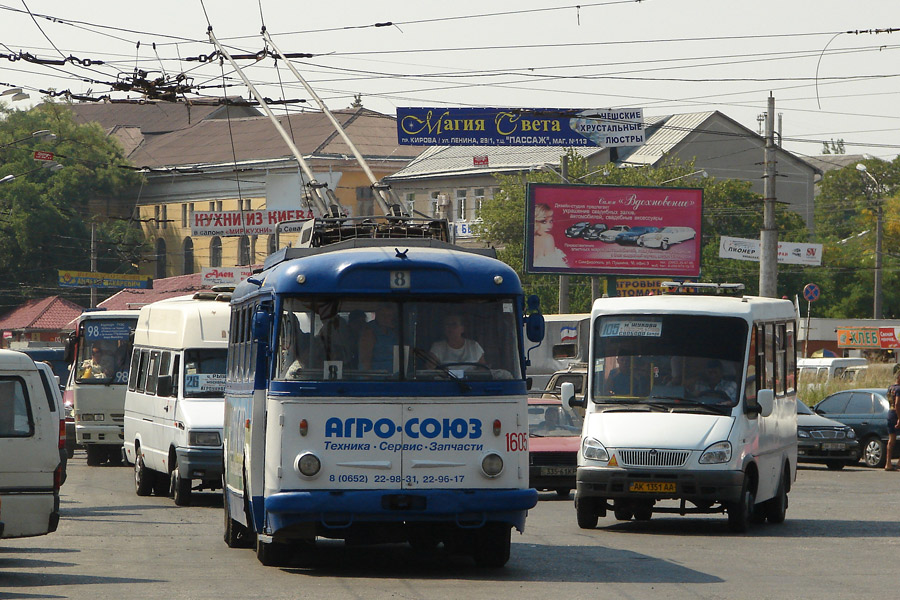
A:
(162, 289)
(52, 313)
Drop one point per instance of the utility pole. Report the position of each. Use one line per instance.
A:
(93, 262)
(564, 279)
(768, 237)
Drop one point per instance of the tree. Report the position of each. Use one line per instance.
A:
(833, 147)
(729, 208)
(45, 216)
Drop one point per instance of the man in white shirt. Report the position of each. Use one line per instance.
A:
(455, 348)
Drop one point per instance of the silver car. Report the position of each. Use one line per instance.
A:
(666, 236)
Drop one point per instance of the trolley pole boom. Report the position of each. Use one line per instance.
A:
(331, 207)
(388, 204)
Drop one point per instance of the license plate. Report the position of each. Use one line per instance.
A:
(833, 446)
(652, 486)
(552, 471)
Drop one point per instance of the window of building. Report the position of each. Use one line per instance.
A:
(479, 201)
(157, 211)
(244, 250)
(165, 219)
(365, 201)
(435, 206)
(188, 248)
(184, 215)
(215, 252)
(212, 206)
(160, 259)
(219, 205)
(411, 203)
(461, 205)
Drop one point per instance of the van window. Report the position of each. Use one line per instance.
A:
(204, 373)
(135, 370)
(142, 371)
(48, 391)
(152, 372)
(16, 419)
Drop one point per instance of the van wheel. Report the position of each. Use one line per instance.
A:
(95, 455)
(181, 488)
(740, 511)
(873, 452)
(643, 511)
(143, 477)
(835, 465)
(776, 508)
(562, 492)
(622, 510)
(586, 513)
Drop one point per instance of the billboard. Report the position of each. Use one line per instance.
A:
(245, 222)
(869, 337)
(789, 253)
(611, 230)
(103, 280)
(520, 127)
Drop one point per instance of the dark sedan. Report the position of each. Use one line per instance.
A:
(593, 232)
(824, 441)
(865, 410)
(631, 236)
(578, 229)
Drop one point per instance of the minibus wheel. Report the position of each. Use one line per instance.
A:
(181, 488)
(143, 477)
(776, 508)
(740, 511)
(586, 513)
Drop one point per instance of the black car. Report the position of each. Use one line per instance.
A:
(866, 411)
(576, 230)
(593, 232)
(631, 236)
(824, 441)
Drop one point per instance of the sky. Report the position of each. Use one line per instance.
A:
(832, 68)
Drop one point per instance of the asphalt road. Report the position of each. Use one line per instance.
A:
(841, 540)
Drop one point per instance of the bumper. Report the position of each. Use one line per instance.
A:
(99, 434)
(703, 486)
(339, 510)
(827, 451)
(200, 463)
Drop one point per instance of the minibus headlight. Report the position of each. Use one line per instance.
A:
(492, 464)
(308, 464)
(718, 453)
(203, 438)
(592, 449)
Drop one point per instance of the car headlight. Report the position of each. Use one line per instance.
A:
(851, 435)
(203, 438)
(718, 453)
(592, 449)
(802, 433)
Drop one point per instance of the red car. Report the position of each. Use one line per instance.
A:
(553, 440)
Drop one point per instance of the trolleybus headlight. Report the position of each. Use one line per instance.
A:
(492, 464)
(203, 438)
(308, 464)
(592, 449)
(718, 453)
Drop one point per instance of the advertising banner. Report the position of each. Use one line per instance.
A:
(789, 253)
(224, 275)
(610, 230)
(245, 222)
(869, 337)
(520, 127)
(103, 280)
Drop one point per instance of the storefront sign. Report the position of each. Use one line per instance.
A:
(103, 280)
(246, 222)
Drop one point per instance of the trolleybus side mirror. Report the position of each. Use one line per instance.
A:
(262, 325)
(534, 322)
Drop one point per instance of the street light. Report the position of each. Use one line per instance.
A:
(701, 173)
(50, 165)
(42, 135)
(879, 234)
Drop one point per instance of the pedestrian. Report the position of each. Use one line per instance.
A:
(893, 395)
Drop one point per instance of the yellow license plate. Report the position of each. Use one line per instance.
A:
(652, 487)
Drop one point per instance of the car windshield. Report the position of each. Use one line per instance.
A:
(803, 409)
(328, 339)
(550, 420)
(674, 361)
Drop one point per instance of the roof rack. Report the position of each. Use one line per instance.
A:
(322, 232)
(703, 289)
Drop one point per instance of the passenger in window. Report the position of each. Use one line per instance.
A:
(378, 339)
(712, 380)
(98, 366)
(455, 348)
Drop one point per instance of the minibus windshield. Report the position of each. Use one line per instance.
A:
(104, 351)
(691, 360)
(204, 373)
(378, 339)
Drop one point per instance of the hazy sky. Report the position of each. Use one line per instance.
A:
(665, 56)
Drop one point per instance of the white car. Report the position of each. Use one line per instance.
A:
(666, 236)
(610, 234)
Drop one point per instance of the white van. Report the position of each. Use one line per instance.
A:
(30, 463)
(174, 405)
(819, 370)
(690, 408)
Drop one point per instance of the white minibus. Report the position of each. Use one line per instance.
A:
(31, 467)
(174, 403)
(691, 407)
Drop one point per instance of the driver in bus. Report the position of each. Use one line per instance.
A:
(712, 379)
(98, 366)
(455, 348)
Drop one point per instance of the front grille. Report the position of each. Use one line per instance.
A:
(117, 417)
(553, 458)
(652, 458)
(828, 434)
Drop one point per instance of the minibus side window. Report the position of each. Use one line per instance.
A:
(176, 375)
(791, 354)
(142, 371)
(780, 359)
(752, 375)
(133, 373)
(152, 372)
(770, 356)
(16, 419)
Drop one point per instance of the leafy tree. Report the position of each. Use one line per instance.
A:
(45, 215)
(833, 147)
(730, 208)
